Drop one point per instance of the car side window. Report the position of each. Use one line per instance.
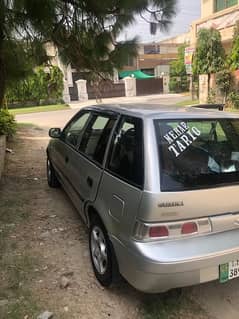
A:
(96, 136)
(73, 132)
(126, 151)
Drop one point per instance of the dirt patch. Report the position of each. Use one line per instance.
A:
(44, 259)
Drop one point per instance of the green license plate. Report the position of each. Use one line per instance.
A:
(229, 271)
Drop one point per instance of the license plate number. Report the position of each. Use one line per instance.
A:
(229, 271)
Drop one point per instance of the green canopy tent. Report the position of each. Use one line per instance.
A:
(137, 74)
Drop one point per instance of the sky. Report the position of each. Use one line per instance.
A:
(187, 11)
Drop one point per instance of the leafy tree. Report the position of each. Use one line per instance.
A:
(178, 70)
(210, 54)
(177, 67)
(20, 38)
(224, 82)
(92, 42)
(233, 59)
(85, 32)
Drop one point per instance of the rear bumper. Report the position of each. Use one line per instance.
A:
(158, 267)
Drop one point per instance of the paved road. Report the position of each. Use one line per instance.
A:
(60, 118)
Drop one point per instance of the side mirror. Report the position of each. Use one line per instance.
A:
(55, 132)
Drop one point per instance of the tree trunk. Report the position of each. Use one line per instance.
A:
(2, 78)
(2, 64)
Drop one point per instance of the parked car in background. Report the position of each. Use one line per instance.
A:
(158, 189)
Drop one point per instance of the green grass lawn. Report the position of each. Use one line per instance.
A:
(35, 109)
(188, 103)
(232, 110)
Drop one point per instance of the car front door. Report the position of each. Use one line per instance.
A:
(60, 149)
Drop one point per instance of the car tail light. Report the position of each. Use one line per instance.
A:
(189, 228)
(171, 230)
(158, 231)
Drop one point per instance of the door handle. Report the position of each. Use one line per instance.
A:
(89, 181)
(66, 159)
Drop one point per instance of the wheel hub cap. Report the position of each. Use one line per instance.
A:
(99, 250)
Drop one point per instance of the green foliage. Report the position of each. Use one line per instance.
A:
(85, 33)
(210, 55)
(44, 85)
(177, 67)
(233, 100)
(224, 81)
(7, 123)
(233, 59)
(179, 84)
(21, 59)
(178, 77)
(173, 84)
(92, 45)
(211, 99)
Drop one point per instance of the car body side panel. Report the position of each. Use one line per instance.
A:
(117, 203)
(56, 153)
(151, 170)
(76, 170)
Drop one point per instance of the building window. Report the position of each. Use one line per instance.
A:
(224, 4)
(151, 49)
(130, 61)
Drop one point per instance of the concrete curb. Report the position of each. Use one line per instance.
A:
(122, 100)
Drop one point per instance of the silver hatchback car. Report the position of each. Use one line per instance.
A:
(158, 189)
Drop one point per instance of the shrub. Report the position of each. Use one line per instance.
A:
(44, 86)
(224, 81)
(233, 100)
(179, 84)
(7, 123)
(211, 99)
(184, 83)
(173, 84)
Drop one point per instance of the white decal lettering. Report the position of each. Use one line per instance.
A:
(173, 135)
(168, 139)
(173, 148)
(196, 131)
(181, 146)
(180, 138)
(179, 130)
(184, 125)
(192, 136)
(186, 140)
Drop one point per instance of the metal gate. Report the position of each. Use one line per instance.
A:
(149, 86)
(107, 89)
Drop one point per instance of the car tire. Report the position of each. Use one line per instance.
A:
(51, 175)
(102, 254)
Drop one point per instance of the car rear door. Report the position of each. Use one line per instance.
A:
(123, 179)
(84, 165)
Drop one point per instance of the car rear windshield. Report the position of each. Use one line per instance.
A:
(197, 153)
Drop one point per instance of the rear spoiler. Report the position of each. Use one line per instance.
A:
(219, 107)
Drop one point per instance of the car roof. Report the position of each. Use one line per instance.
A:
(157, 111)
